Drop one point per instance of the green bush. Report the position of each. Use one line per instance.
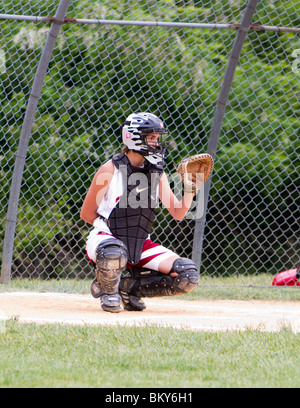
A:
(95, 80)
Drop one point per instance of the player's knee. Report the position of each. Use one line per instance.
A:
(188, 277)
(111, 255)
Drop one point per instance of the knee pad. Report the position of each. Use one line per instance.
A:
(111, 255)
(111, 260)
(188, 277)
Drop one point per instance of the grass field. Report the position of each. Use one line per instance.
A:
(210, 289)
(150, 356)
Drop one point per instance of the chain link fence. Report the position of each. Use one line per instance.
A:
(100, 73)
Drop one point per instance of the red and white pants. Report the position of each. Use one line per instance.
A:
(152, 254)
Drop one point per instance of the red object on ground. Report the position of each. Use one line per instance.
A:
(287, 278)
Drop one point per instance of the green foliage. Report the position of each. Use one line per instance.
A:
(98, 76)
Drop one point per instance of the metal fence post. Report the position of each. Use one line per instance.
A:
(24, 141)
(218, 119)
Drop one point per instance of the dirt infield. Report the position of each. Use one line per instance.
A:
(196, 315)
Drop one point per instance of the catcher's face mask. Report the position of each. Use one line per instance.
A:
(156, 146)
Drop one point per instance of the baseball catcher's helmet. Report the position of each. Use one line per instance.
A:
(134, 131)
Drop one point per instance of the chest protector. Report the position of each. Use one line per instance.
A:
(131, 220)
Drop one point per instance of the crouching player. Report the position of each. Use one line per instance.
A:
(120, 204)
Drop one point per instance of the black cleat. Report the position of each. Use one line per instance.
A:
(111, 303)
(132, 303)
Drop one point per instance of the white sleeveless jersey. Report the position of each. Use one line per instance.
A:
(153, 254)
(110, 200)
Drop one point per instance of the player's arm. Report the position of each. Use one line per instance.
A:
(96, 192)
(177, 208)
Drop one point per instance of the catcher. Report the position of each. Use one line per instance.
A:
(120, 204)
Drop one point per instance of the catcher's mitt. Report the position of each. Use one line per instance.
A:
(195, 170)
